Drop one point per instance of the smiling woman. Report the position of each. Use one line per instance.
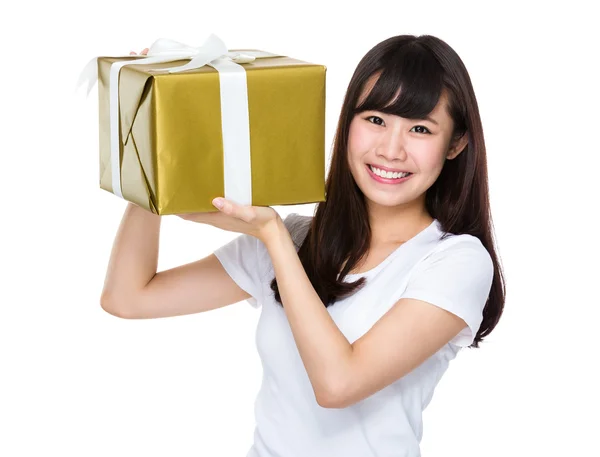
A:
(392, 276)
(364, 305)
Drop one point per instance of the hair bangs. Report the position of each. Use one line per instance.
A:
(409, 85)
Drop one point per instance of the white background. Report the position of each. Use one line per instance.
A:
(76, 381)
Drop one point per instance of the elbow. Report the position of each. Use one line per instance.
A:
(325, 402)
(339, 395)
(329, 401)
(118, 311)
(336, 401)
(329, 398)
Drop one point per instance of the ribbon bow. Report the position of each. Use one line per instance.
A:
(167, 50)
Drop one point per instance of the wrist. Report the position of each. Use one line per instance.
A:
(273, 231)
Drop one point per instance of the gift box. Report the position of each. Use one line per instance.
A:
(247, 125)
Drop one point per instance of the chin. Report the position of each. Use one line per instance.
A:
(391, 203)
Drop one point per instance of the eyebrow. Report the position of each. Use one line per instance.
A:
(430, 119)
(426, 118)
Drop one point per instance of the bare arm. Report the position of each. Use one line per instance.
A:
(134, 290)
(134, 256)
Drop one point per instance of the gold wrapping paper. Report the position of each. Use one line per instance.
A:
(171, 138)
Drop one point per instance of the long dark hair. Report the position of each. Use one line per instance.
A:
(424, 67)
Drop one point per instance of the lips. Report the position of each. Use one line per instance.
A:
(387, 180)
(388, 169)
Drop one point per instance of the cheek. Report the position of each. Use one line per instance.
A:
(429, 155)
(358, 141)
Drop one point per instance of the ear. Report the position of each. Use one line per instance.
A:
(458, 146)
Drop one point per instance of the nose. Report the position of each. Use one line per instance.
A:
(392, 146)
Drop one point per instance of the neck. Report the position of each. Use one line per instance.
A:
(396, 225)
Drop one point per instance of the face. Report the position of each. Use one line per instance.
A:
(393, 143)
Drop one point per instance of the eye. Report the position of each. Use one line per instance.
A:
(426, 132)
(423, 127)
(376, 117)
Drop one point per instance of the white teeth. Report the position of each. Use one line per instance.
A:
(387, 174)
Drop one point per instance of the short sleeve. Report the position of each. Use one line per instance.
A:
(458, 278)
(247, 261)
(241, 258)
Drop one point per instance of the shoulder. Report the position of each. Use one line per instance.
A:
(462, 251)
(297, 225)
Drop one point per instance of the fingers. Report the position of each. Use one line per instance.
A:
(204, 218)
(143, 53)
(245, 213)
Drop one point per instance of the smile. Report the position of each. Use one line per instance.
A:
(402, 177)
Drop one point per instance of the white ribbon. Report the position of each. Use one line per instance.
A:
(235, 118)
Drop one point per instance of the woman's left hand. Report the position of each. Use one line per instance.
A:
(258, 221)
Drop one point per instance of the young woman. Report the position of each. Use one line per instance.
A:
(364, 305)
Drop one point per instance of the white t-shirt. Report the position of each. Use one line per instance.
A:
(454, 273)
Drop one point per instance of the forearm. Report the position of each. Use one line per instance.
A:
(324, 349)
(134, 256)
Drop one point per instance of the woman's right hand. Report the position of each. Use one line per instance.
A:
(143, 53)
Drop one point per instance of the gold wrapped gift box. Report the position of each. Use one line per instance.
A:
(172, 156)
